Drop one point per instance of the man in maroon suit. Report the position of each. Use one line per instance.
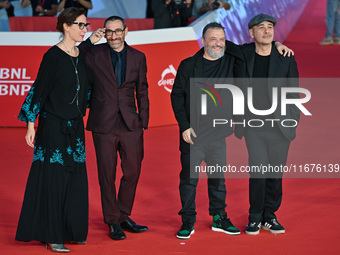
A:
(119, 81)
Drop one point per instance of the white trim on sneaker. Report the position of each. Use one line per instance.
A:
(254, 233)
(267, 226)
(225, 231)
(186, 237)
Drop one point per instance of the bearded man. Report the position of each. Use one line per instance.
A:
(116, 122)
(199, 141)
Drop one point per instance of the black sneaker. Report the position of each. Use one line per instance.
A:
(273, 226)
(222, 224)
(253, 228)
(186, 231)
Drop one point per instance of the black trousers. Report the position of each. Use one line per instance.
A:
(213, 154)
(270, 149)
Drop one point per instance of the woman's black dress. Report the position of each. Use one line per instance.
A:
(55, 206)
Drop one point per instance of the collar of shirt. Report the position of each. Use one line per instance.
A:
(115, 53)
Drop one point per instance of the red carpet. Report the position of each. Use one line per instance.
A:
(314, 60)
(310, 207)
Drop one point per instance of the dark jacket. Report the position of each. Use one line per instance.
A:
(108, 98)
(171, 15)
(192, 67)
(282, 72)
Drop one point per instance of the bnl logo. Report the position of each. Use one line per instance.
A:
(238, 99)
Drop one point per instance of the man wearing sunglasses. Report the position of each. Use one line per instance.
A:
(119, 81)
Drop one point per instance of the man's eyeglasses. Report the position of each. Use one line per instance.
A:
(81, 25)
(118, 32)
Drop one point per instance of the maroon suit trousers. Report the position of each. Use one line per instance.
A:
(129, 145)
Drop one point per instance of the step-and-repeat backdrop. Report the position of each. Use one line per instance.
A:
(22, 52)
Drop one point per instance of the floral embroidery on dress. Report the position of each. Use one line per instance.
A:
(26, 114)
(38, 154)
(69, 150)
(89, 96)
(57, 157)
(80, 150)
(79, 154)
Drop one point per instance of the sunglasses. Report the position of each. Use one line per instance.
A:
(82, 25)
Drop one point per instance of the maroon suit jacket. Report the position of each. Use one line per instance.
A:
(108, 98)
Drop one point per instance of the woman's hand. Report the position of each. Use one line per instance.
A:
(30, 134)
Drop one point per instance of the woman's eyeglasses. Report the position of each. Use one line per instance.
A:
(81, 25)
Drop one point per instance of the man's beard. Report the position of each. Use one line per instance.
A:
(116, 46)
(215, 55)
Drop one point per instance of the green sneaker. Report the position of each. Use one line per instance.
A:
(186, 231)
(223, 224)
